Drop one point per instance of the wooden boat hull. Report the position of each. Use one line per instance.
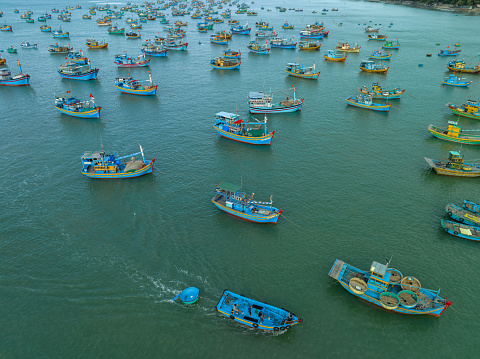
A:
(309, 48)
(288, 27)
(376, 107)
(137, 64)
(274, 109)
(377, 95)
(458, 111)
(162, 53)
(95, 113)
(176, 48)
(442, 134)
(260, 52)
(90, 75)
(391, 47)
(462, 215)
(386, 57)
(103, 46)
(336, 59)
(262, 140)
(219, 42)
(464, 231)
(46, 30)
(313, 76)
(235, 67)
(375, 71)
(143, 171)
(468, 71)
(290, 46)
(257, 218)
(240, 32)
(118, 32)
(316, 36)
(442, 170)
(63, 36)
(20, 81)
(148, 91)
(459, 84)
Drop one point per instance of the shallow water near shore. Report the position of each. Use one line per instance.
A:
(89, 267)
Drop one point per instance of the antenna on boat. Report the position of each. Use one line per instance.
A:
(241, 181)
(100, 133)
(389, 260)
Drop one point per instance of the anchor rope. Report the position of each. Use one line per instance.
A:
(308, 230)
(470, 315)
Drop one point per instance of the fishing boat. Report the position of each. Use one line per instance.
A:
(134, 87)
(233, 22)
(371, 29)
(311, 34)
(78, 57)
(104, 22)
(11, 50)
(297, 70)
(221, 63)
(391, 45)
(230, 54)
(265, 34)
(6, 28)
(253, 314)
(27, 45)
(453, 133)
(366, 102)
(72, 106)
(6, 78)
(45, 28)
(380, 55)
(171, 43)
(471, 109)
(218, 40)
(150, 49)
(223, 34)
(345, 47)
(95, 44)
(98, 164)
(258, 48)
(87, 16)
(286, 25)
(449, 52)
(377, 37)
(463, 215)
(378, 92)
(241, 29)
(454, 166)
(114, 30)
(136, 26)
(231, 199)
(57, 49)
(283, 43)
(29, 20)
(388, 288)
(133, 35)
(309, 45)
(460, 66)
(2, 60)
(261, 102)
(229, 125)
(60, 34)
(461, 230)
(332, 56)
(453, 80)
(370, 66)
(471, 206)
(75, 71)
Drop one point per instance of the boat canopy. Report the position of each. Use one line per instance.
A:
(228, 187)
(256, 95)
(227, 115)
(378, 269)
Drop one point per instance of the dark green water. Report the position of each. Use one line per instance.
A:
(88, 268)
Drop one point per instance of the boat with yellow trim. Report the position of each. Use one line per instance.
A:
(378, 92)
(461, 230)
(134, 87)
(370, 66)
(332, 56)
(222, 63)
(471, 109)
(454, 133)
(366, 102)
(297, 70)
(94, 44)
(229, 125)
(454, 166)
(391, 45)
(455, 81)
(257, 315)
(231, 199)
(72, 106)
(460, 66)
(380, 55)
(377, 37)
(99, 164)
(468, 214)
(388, 288)
(309, 45)
(345, 47)
(286, 25)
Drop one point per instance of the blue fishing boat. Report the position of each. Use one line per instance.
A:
(75, 71)
(380, 55)
(283, 43)
(60, 34)
(372, 67)
(365, 102)
(222, 63)
(255, 314)
(454, 166)
(332, 56)
(463, 215)
(134, 87)
(230, 199)
(311, 34)
(98, 164)
(27, 45)
(150, 49)
(57, 49)
(72, 106)
(453, 80)
(241, 29)
(218, 40)
(124, 60)
(230, 54)
(461, 230)
(261, 102)
(286, 25)
(6, 78)
(78, 57)
(449, 52)
(45, 28)
(265, 34)
(471, 206)
(378, 92)
(377, 37)
(388, 288)
(258, 48)
(297, 70)
(229, 125)
(391, 45)
(188, 295)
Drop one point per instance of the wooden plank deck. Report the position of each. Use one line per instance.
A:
(335, 271)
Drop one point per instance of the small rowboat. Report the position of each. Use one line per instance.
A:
(94, 44)
(462, 215)
(221, 63)
(453, 133)
(454, 166)
(257, 315)
(460, 230)
(453, 80)
(365, 102)
(471, 109)
(332, 56)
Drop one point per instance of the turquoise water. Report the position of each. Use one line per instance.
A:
(88, 268)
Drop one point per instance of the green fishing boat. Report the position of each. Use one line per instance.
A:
(453, 133)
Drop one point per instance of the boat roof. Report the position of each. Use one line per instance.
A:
(91, 154)
(255, 95)
(455, 153)
(124, 78)
(228, 187)
(226, 115)
(378, 268)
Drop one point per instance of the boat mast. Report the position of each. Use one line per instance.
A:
(141, 150)
(19, 67)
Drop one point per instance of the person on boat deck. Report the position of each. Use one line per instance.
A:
(250, 310)
(236, 309)
(261, 317)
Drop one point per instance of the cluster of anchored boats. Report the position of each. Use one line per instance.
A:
(380, 285)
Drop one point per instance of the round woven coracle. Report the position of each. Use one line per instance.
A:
(411, 283)
(357, 285)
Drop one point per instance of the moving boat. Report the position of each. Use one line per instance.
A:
(261, 102)
(365, 101)
(230, 199)
(381, 55)
(134, 87)
(229, 125)
(345, 47)
(388, 288)
(471, 109)
(76, 71)
(460, 66)
(309, 45)
(453, 133)
(72, 106)
(253, 314)
(6, 78)
(378, 92)
(453, 80)
(297, 70)
(461, 230)
(94, 44)
(449, 52)
(221, 63)
(454, 166)
(370, 66)
(332, 56)
(98, 164)
(463, 215)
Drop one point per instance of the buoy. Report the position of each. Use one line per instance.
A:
(420, 65)
(429, 55)
(188, 296)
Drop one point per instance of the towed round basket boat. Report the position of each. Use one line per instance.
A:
(411, 283)
(408, 299)
(189, 295)
(357, 285)
(389, 300)
(395, 275)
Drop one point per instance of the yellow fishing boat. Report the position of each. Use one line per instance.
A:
(94, 44)
(454, 166)
(370, 66)
(453, 133)
(345, 47)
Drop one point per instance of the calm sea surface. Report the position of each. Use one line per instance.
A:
(88, 268)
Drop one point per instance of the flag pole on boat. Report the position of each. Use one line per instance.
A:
(141, 150)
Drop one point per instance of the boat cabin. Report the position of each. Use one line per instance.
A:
(453, 130)
(259, 99)
(471, 106)
(231, 122)
(455, 160)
